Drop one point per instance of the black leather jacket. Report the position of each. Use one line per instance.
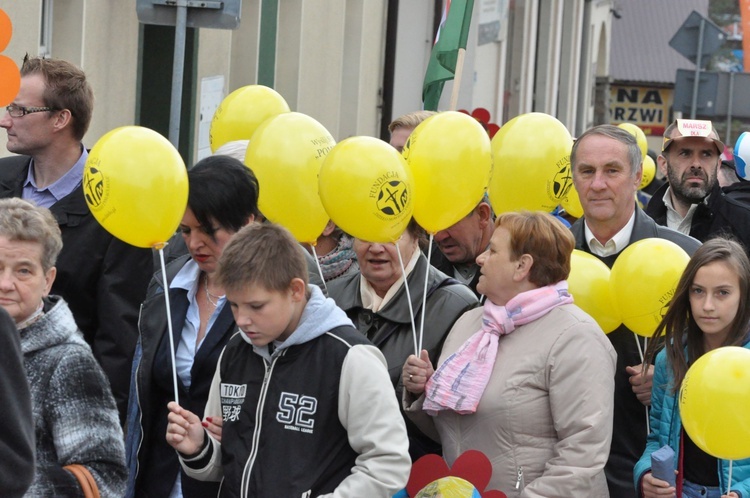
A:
(152, 462)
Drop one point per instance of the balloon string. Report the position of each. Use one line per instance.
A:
(408, 300)
(638, 343)
(729, 483)
(424, 296)
(640, 353)
(169, 323)
(320, 270)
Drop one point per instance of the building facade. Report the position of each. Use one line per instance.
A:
(353, 65)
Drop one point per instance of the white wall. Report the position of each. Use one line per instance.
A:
(101, 36)
(413, 47)
(330, 58)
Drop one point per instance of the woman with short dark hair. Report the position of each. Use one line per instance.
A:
(222, 198)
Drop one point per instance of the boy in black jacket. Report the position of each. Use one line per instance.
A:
(306, 402)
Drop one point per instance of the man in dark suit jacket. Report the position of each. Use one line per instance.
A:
(607, 170)
(103, 279)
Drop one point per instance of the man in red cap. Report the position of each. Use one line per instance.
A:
(692, 201)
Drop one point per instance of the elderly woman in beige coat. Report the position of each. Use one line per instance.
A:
(528, 378)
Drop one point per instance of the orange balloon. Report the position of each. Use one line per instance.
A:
(10, 80)
(6, 30)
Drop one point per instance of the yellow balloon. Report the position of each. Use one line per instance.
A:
(285, 154)
(136, 185)
(450, 158)
(531, 154)
(589, 285)
(367, 189)
(644, 278)
(242, 111)
(572, 203)
(714, 397)
(649, 171)
(640, 137)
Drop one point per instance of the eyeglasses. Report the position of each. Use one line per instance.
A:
(19, 111)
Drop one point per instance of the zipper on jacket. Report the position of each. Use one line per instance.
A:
(245, 483)
(519, 478)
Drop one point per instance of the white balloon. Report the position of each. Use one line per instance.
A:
(742, 155)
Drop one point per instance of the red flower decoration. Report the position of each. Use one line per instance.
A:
(483, 116)
(472, 466)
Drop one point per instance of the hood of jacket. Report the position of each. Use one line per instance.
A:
(56, 326)
(319, 316)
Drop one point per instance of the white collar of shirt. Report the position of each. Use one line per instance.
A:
(614, 245)
(674, 220)
(187, 279)
(371, 301)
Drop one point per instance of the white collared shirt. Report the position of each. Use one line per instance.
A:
(187, 279)
(674, 220)
(614, 245)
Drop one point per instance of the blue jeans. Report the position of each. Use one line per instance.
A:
(690, 490)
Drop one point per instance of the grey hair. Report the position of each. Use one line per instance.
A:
(21, 220)
(615, 133)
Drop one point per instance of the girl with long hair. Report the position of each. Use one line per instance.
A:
(709, 310)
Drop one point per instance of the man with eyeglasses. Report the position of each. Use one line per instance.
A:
(103, 279)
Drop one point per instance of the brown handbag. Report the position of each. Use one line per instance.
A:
(85, 479)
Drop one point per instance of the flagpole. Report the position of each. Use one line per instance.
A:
(447, 56)
(457, 79)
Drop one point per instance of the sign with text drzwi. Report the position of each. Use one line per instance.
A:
(646, 107)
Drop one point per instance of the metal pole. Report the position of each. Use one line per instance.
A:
(696, 83)
(178, 69)
(728, 140)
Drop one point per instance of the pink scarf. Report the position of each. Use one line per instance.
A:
(458, 384)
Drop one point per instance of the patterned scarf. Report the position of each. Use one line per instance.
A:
(337, 262)
(458, 384)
